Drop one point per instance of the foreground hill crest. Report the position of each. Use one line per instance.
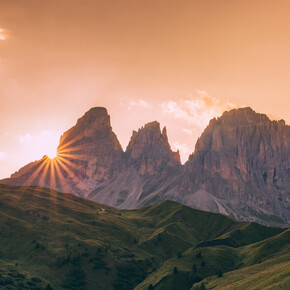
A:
(240, 166)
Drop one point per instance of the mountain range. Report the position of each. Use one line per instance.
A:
(240, 167)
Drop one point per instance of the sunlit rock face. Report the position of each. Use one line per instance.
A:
(244, 158)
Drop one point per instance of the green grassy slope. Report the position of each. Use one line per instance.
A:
(267, 267)
(241, 266)
(67, 242)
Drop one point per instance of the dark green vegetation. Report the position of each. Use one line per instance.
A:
(268, 264)
(53, 240)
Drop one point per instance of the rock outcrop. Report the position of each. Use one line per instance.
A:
(149, 151)
(88, 154)
(243, 158)
(150, 164)
(92, 147)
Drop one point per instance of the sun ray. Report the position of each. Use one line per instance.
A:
(44, 174)
(69, 166)
(69, 143)
(74, 156)
(68, 162)
(55, 207)
(52, 178)
(70, 173)
(30, 180)
(71, 150)
(57, 178)
(64, 184)
(60, 176)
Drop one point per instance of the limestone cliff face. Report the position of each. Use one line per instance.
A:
(92, 147)
(246, 157)
(149, 151)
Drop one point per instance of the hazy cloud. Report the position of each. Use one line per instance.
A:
(3, 34)
(27, 138)
(187, 131)
(196, 111)
(185, 118)
(139, 103)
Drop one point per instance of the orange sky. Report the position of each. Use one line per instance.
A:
(178, 62)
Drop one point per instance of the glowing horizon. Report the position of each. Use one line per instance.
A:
(180, 63)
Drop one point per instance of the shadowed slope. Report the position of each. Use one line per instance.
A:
(73, 243)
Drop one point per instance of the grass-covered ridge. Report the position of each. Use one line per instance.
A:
(51, 239)
(268, 267)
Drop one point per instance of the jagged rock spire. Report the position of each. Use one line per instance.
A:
(150, 151)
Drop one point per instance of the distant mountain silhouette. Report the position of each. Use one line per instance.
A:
(240, 166)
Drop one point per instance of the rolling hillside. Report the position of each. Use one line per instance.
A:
(60, 241)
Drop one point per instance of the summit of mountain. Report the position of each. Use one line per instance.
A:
(243, 158)
(88, 153)
(149, 150)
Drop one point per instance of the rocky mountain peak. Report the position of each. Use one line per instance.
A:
(242, 116)
(93, 122)
(91, 148)
(152, 126)
(150, 151)
(243, 155)
(164, 133)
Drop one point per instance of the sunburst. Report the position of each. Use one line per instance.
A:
(58, 167)
(51, 155)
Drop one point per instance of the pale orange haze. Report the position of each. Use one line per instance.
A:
(179, 62)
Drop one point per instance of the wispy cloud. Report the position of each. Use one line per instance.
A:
(185, 117)
(27, 138)
(197, 110)
(139, 103)
(3, 34)
(187, 131)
